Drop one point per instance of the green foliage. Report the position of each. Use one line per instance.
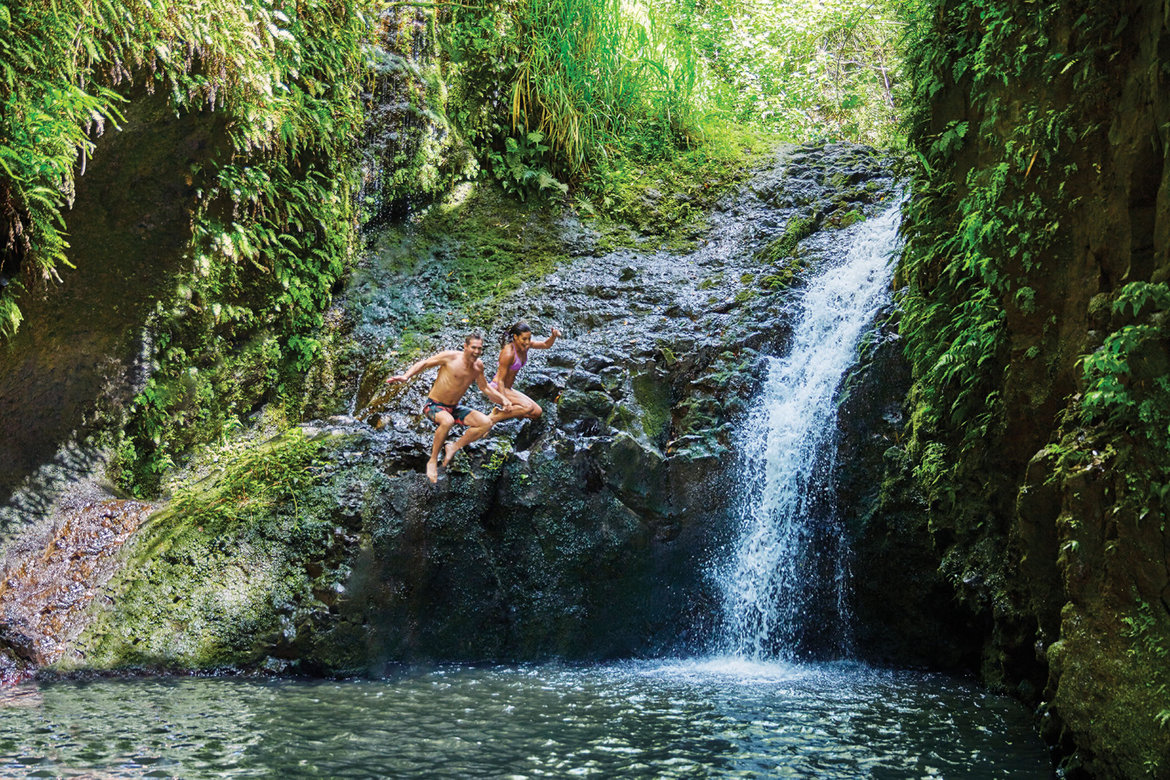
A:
(591, 78)
(1147, 641)
(254, 482)
(983, 240)
(10, 316)
(281, 85)
(48, 111)
(1127, 388)
(591, 73)
(520, 169)
(182, 406)
(970, 250)
(500, 449)
(612, 85)
(274, 226)
(802, 69)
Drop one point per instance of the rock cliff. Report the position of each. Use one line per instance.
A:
(1035, 318)
(582, 534)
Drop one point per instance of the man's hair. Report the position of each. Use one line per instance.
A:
(471, 337)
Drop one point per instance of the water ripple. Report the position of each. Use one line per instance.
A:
(684, 719)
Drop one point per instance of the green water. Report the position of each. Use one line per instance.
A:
(647, 719)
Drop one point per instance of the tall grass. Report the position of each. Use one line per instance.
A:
(573, 88)
(589, 77)
(599, 73)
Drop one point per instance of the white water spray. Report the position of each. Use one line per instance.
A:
(785, 584)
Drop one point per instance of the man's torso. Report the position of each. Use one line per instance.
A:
(455, 376)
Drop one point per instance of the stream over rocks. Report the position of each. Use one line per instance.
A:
(787, 589)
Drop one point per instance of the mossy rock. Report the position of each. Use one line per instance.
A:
(225, 573)
(578, 405)
(844, 217)
(653, 396)
(783, 275)
(797, 229)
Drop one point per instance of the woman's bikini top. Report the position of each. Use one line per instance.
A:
(517, 364)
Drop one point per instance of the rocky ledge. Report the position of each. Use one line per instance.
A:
(582, 534)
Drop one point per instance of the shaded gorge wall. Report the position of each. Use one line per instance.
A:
(208, 231)
(1034, 313)
(85, 349)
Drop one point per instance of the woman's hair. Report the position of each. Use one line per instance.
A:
(519, 328)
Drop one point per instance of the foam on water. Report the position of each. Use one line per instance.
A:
(726, 668)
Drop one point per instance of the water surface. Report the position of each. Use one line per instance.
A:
(717, 718)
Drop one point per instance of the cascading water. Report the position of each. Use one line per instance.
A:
(785, 584)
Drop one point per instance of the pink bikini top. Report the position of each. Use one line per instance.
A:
(517, 364)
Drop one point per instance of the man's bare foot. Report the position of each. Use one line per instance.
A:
(449, 451)
(432, 471)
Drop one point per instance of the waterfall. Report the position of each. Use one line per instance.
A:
(784, 583)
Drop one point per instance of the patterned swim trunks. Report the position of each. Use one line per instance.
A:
(458, 411)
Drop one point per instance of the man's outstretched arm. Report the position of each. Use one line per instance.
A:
(417, 368)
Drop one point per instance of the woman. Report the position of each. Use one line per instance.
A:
(515, 343)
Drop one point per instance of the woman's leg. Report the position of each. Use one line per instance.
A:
(522, 406)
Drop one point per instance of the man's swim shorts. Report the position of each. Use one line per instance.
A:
(459, 411)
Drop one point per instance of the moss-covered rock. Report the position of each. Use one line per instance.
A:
(781, 249)
(237, 560)
(332, 555)
(1034, 277)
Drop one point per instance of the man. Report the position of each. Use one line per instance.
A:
(457, 370)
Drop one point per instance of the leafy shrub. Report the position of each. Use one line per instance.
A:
(519, 168)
